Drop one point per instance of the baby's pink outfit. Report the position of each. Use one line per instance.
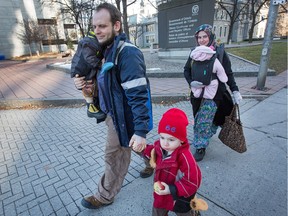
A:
(202, 53)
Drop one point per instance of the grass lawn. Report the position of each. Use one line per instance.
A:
(278, 55)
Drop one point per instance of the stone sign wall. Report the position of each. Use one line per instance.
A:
(178, 20)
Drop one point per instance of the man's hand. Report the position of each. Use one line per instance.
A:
(79, 82)
(196, 84)
(137, 143)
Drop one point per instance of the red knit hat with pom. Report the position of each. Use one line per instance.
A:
(174, 122)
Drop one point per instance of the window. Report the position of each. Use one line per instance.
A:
(216, 14)
(150, 28)
(150, 39)
(225, 31)
(220, 33)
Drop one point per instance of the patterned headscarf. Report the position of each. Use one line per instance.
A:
(208, 30)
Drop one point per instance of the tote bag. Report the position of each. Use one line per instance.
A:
(231, 133)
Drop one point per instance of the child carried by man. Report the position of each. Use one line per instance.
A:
(86, 63)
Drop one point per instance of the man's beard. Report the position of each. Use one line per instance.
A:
(110, 40)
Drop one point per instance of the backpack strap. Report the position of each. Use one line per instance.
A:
(214, 75)
(220, 52)
(120, 47)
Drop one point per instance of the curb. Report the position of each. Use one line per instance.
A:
(181, 75)
(169, 74)
(78, 102)
(73, 102)
(40, 103)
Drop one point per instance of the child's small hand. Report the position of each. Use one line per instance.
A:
(165, 191)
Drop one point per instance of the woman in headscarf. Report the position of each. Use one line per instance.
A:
(210, 113)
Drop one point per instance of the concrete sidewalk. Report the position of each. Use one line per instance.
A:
(51, 158)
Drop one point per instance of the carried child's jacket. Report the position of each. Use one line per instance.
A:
(207, 69)
(88, 56)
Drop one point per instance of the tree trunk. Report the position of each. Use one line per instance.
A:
(230, 32)
(251, 30)
(30, 50)
(81, 29)
(118, 4)
(125, 22)
(232, 21)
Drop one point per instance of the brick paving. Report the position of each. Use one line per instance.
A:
(51, 158)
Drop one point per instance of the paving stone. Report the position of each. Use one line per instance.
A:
(72, 209)
(27, 189)
(56, 203)
(21, 208)
(12, 199)
(46, 208)
(35, 210)
(50, 191)
(31, 202)
(5, 187)
(25, 213)
(65, 198)
(1, 207)
(63, 212)
(16, 188)
(9, 209)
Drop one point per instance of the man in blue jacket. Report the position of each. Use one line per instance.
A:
(124, 94)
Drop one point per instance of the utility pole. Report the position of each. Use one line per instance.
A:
(267, 43)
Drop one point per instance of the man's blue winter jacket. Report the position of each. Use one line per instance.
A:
(128, 90)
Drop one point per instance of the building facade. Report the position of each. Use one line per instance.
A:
(51, 23)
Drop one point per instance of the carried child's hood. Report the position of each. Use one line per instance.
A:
(202, 53)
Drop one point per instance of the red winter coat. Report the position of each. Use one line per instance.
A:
(179, 171)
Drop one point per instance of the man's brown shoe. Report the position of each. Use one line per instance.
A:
(147, 172)
(92, 203)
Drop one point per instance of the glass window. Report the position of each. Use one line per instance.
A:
(150, 39)
(150, 28)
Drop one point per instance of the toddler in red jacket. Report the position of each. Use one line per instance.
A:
(177, 175)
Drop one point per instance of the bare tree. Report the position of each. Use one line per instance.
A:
(135, 32)
(234, 9)
(27, 33)
(124, 14)
(255, 7)
(78, 12)
(152, 4)
(280, 27)
(39, 34)
(118, 4)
